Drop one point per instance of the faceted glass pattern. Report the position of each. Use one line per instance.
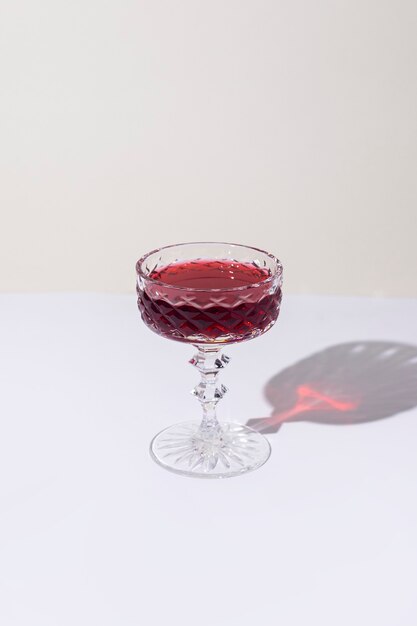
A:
(224, 314)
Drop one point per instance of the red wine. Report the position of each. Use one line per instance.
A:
(206, 301)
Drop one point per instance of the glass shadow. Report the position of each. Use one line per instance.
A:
(349, 383)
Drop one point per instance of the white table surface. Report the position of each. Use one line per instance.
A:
(93, 532)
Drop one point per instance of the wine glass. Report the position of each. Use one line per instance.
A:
(208, 295)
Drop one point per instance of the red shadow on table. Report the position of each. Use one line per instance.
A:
(350, 383)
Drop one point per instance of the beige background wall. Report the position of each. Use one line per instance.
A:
(290, 125)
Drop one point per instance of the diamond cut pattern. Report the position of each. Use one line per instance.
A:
(239, 320)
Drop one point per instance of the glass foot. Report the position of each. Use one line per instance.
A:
(231, 450)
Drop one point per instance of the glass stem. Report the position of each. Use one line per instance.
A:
(209, 362)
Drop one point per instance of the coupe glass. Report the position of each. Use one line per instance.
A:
(209, 295)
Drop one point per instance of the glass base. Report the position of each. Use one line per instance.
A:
(228, 451)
